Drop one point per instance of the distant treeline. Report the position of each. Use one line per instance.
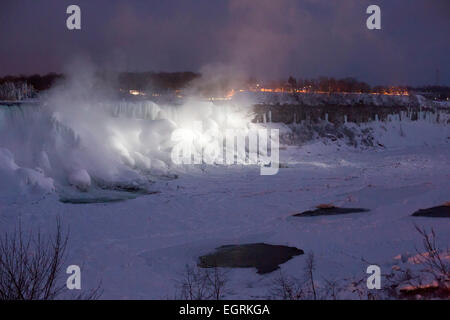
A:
(169, 81)
(325, 84)
(158, 81)
(433, 92)
(431, 88)
(38, 82)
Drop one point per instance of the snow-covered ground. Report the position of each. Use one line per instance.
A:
(138, 248)
(64, 150)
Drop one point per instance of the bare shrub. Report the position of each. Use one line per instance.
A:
(287, 288)
(432, 258)
(31, 266)
(331, 290)
(403, 282)
(429, 282)
(217, 280)
(202, 283)
(310, 267)
(397, 278)
(290, 288)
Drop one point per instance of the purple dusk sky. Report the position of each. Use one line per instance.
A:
(264, 38)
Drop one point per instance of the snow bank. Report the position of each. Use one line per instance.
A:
(80, 178)
(18, 181)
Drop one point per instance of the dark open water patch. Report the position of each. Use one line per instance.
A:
(434, 212)
(329, 211)
(87, 200)
(264, 257)
(102, 196)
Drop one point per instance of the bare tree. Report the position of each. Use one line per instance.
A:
(402, 282)
(31, 265)
(410, 283)
(287, 288)
(203, 284)
(432, 257)
(331, 290)
(217, 281)
(310, 267)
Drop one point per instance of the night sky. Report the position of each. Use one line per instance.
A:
(263, 38)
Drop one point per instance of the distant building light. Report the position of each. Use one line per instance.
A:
(136, 93)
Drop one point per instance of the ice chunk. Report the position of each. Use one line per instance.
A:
(17, 181)
(7, 160)
(159, 167)
(44, 162)
(80, 178)
(142, 162)
(34, 179)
